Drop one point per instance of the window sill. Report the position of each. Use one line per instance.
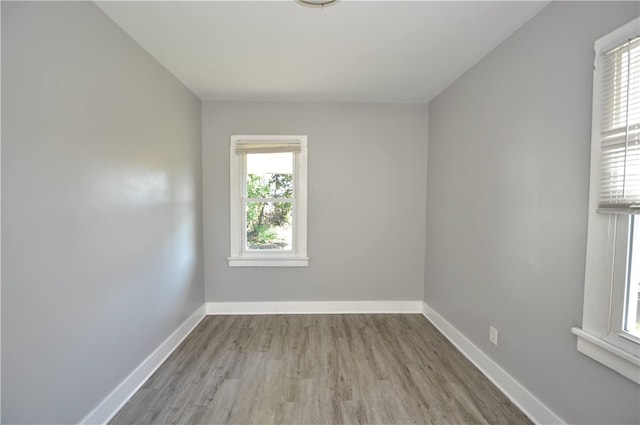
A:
(268, 261)
(625, 363)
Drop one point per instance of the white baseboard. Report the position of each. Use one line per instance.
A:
(519, 395)
(315, 307)
(127, 388)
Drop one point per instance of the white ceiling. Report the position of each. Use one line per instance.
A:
(352, 51)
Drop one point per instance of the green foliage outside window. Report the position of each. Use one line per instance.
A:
(264, 218)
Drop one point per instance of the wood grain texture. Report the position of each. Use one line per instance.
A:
(318, 369)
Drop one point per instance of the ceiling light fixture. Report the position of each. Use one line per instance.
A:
(316, 3)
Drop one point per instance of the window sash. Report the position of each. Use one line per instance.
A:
(628, 295)
(616, 334)
(245, 242)
(620, 129)
(263, 147)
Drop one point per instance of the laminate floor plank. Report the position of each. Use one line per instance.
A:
(318, 369)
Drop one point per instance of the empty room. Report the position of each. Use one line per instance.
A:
(320, 212)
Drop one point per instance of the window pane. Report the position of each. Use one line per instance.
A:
(269, 226)
(270, 175)
(632, 298)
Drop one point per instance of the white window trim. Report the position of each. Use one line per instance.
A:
(238, 256)
(600, 336)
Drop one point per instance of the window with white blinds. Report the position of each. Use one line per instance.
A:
(620, 128)
(610, 330)
(268, 201)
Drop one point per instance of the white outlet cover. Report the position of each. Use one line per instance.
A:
(493, 335)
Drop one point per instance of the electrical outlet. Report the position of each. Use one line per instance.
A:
(493, 335)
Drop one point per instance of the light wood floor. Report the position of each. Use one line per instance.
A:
(318, 369)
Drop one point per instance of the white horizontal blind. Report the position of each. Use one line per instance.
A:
(266, 147)
(620, 129)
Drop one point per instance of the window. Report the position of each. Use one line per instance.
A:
(268, 187)
(610, 330)
(631, 296)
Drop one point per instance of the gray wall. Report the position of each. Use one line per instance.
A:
(508, 176)
(101, 221)
(367, 171)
